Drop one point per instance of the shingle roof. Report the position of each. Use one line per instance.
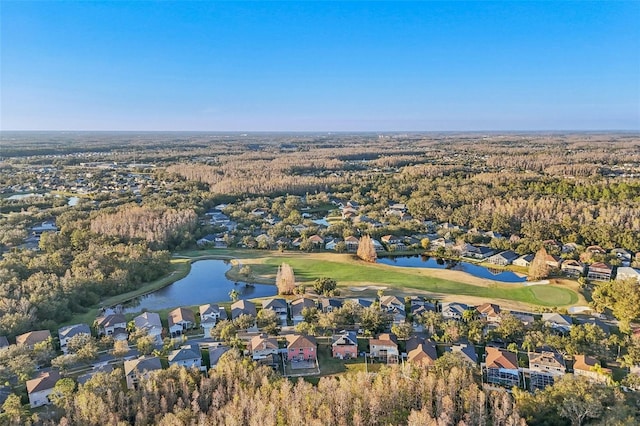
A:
(33, 337)
(73, 330)
(142, 364)
(185, 353)
(295, 341)
(179, 315)
(44, 381)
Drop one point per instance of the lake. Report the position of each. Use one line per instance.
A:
(469, 268)
(206, 283)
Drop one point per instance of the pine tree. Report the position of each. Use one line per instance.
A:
(539, 268)
(366, 250)
(285, 280)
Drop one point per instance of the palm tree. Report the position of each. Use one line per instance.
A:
(234, 295)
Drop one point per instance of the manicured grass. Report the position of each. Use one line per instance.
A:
(351, 272)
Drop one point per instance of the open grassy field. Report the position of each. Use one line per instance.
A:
(352, 272)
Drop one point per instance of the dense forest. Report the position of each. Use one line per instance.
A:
(238, 392)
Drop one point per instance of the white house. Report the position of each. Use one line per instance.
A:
(210, 314)
(453, 310)
(66, 333)
(41, 387)
(110, 325)
(297, 306)
(151, 324)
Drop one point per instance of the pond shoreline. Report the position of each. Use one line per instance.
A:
(176, 276)
(203, 279)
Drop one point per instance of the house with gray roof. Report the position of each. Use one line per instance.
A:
(66, 333)
(136, 369)
(466, 351)
(558, 321)
(150, 323)
(504, 258)
(243, 307)
(188, 356)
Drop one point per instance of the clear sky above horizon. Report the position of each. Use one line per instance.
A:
(341, 66)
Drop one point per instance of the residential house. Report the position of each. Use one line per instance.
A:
(466, 351)
(390, 239)
(104, 368)
(4, 343)
(262, 346)
(332, 244)
(420, 307)
(188, 356)
(210, 314)
(526, 318)
(344, 345)
(453, 310)
(489, 311)
(243, 307)
(622, 254)
(385, 347)
(544, 368)
(112, 325)
(206, 240)
(180, 320)
(584, 365)
(32, 338)
(569, 247)
(553, 262)
(279, 306)
(215, 352)
(395, 307)
(136, 369)
(558, 322)
(66, 333)
(316, 241)
(501, 367)
(504, 258)
(41, 387)
(572, 268)
(483, 252)
(297, 306)
(600, 271)
(377, 246)
(524, 260)
(329, 304)
(597, 322)
(626, 273)
(364, 303)
(352, 243)
(595, 250)
(389, 302)
(301, 347)
(149, 322)
(423, 354)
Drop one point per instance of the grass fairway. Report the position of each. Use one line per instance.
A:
(348, 271)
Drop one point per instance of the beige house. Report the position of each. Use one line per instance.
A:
(589, 367)
(32, 338)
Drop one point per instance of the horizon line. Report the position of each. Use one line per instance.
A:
(327, 131)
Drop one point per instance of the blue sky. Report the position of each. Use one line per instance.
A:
(342, 66)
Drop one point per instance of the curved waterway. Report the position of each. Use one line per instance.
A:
(469, 268)
(206, 283)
